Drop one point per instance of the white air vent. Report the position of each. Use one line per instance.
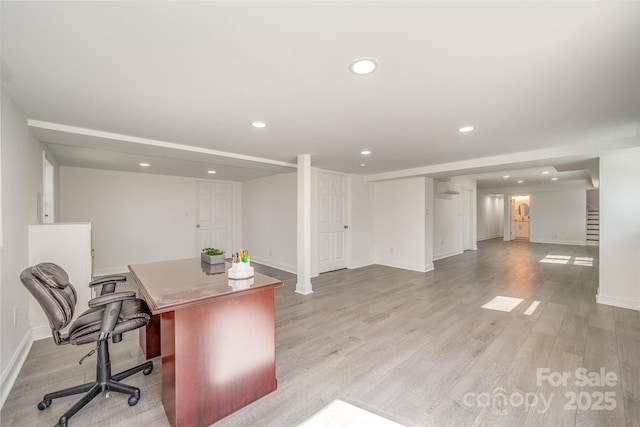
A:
(448, 187)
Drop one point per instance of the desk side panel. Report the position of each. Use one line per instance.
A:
(149, 337)
(224, 356)
(168, 345)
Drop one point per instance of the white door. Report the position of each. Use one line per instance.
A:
(466, 220)
(332, 227)
(214, 222)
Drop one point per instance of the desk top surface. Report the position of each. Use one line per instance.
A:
(170, 285)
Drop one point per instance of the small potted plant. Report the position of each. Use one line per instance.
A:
(212, 256)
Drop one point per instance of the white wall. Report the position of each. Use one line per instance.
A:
(269, 220)
(447, 224)
(428, 223)
(399, 207)
(559, 217)
(135, 217)
(620, 230)
(447, 220)
(21, 182)
(362, 226)
(490, 216)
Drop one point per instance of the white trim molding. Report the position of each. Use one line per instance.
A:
(284, 267)
(412, 267)
(10, 375)
(561, 242)
(618, 302)
(436, 257)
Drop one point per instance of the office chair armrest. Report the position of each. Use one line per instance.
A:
(108, 283)
(112, 297)
(112, 306)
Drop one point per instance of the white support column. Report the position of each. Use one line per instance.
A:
(303, 286)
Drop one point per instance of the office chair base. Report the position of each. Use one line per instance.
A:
(104, 382)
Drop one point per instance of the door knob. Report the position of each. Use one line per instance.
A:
(346, 226)
(197, 225)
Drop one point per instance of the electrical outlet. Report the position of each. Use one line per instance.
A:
(15, 315)
(390, 250)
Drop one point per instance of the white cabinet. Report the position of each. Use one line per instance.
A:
(69, 246)
(521, 230)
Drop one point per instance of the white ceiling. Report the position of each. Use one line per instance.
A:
(530, 76)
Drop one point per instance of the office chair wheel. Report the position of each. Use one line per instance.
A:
(148, 370)
(133, 399)
(44, 405)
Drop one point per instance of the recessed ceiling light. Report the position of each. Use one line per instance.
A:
(211, 171)
(363, 66)
(545, 173)
(362, 165)
(465, 129)
(554, 179)
(520, 182)
(505, 176)
(365, 152)
(144, 165)
(259, 124)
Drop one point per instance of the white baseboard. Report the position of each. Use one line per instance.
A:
(15, 364)
(360, 264)
(269, 263)
(618, 302)
(493, 236)
(436, 257)
(110, 270)
(40, 333)
(561, 242)
(412, 267)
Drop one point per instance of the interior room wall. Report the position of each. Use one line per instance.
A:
(620, 230)
(135, 217)
(447, 219)
(269, 218)
(472, 186)
(21, 168)
(362, 225)
(447, 224)
(428, 224)
(559, 217)
(490, 216)
(399, 223)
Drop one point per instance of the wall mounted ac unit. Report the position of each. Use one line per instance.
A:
(448, 187)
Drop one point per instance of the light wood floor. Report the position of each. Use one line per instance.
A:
(405, 345)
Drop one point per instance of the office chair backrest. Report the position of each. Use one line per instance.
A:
(50, 286)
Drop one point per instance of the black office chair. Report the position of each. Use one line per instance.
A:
(109, 316)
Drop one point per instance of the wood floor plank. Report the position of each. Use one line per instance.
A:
(627, 324)
(402, 344)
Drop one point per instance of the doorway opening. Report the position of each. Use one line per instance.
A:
(520, 217)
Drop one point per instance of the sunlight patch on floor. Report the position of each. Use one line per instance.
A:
(501, 303)
(584, 260)
(342, 414)
(565, 259)
(529, 311)
(556, 259)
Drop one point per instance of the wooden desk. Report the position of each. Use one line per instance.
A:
(217, 341)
